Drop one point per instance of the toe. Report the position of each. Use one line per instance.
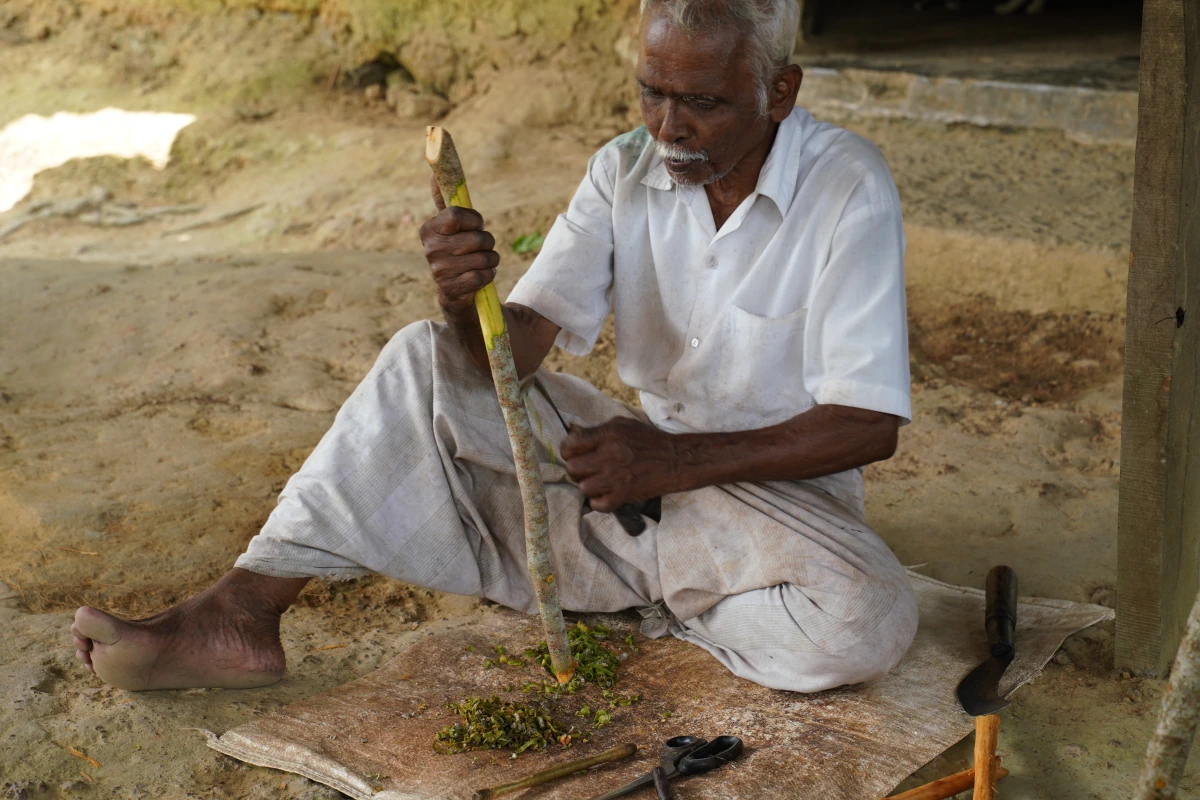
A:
(84, 657)
(97, 626)
(82, 644)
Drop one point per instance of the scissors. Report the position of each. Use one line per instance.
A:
(682, 756)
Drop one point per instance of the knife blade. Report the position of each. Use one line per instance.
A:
(979, 692)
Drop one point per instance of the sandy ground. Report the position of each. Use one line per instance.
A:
(157, 388)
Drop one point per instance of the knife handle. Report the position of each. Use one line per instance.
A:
(1000, 619)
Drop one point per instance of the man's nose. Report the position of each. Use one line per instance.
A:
(673, 128)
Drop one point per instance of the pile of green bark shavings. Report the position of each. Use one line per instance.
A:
(494, 723)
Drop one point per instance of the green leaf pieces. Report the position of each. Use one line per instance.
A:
(529, 243)
(503, 659)
(616, 699)
(494, 723)
(595, 663)
(498, 723)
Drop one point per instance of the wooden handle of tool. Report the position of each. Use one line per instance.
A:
(947, 787)
(1000, 616)
(447, 171)
(987, 730)
(554, 773)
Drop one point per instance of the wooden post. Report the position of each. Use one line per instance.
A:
(1158, 549)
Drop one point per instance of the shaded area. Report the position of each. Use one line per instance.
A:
(1072, 42)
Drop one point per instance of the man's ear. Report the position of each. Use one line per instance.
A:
(783, 90)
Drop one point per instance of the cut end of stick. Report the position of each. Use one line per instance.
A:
(433, 143)
(566, 675)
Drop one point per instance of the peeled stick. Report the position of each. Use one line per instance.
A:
(447, 171)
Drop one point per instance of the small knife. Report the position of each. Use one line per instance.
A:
(979, 692)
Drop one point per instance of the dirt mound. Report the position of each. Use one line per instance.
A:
(1018, 355)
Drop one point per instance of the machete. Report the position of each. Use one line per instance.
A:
(979, 692)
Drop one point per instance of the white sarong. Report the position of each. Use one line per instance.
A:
(781, 581)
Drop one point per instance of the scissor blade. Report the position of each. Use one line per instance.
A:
(979, 692)
(632, 786)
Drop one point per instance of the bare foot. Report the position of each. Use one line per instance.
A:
(227, 636)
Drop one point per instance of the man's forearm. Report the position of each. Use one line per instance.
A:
(822, 441)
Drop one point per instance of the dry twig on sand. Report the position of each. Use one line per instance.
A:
(220, 219)
(97, 209)
(1168, 751)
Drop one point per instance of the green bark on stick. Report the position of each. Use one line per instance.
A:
(447, 170)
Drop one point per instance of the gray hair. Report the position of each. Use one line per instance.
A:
(770, 26)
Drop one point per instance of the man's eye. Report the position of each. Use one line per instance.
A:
(651, 93)
(702, 103)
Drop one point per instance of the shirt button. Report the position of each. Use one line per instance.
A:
(679, 408)
(696, 342)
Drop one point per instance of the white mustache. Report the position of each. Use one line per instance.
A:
(675, 152)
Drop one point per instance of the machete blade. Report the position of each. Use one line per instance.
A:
(979, 692)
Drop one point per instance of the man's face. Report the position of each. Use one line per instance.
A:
(699, 99)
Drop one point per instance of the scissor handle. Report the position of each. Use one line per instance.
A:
(685, 743)
(716, 753)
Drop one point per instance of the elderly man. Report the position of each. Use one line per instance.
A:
(753, 259)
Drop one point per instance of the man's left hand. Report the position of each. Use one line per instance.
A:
(621, 461)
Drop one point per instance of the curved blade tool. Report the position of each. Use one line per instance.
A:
(979, 692)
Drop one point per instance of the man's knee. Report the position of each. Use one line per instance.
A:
(414, 340)
(867, 649)
(424, 346)
(777, 637)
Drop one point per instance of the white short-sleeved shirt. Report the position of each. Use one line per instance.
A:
(797, 300)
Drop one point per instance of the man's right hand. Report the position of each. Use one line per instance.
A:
(460, 252)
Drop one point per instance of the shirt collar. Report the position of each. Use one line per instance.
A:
(776, 179)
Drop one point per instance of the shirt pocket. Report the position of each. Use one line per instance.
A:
(758, 366)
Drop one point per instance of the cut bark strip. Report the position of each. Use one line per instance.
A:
(947, 787)
(447, 171)
(84, 756)
(334, 646)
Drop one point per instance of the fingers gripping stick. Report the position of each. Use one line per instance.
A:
(447, 171)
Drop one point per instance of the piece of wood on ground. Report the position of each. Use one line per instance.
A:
(987, 731)
(948, 786)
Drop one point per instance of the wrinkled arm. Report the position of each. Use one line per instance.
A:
(625, 461)
(822, 441)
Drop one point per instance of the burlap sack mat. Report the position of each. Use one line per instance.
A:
(373, 738)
